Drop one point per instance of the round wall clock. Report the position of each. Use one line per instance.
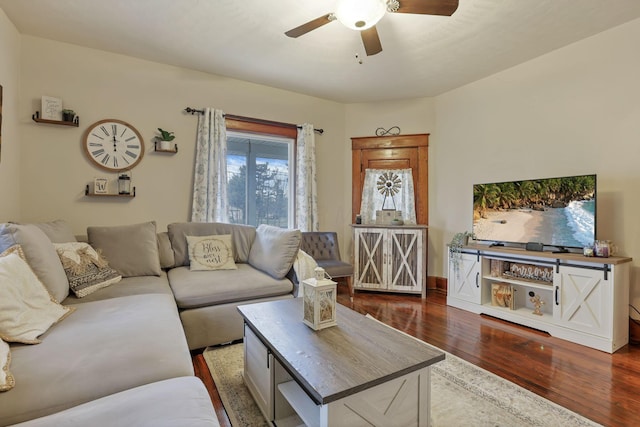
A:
(113, 145)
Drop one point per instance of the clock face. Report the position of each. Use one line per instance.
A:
(113, 145)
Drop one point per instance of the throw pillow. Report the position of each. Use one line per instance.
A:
(40, 254)
(165, 251)
(6, 379)
(274, 250)
(57, 231)
(131, 249)
(27, 310)
(241, 235)
(86, 270)
(211, 252)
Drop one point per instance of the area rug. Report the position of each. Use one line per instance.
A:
(462, 395)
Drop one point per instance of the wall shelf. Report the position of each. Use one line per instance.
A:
(90, 194)
(173, 150)
(36, 118)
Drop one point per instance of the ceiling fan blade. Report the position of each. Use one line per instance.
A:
(428, 7)
(310, 26)
(371, 41)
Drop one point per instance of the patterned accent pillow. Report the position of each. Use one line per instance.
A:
(6, 379)
(86, 269)
(211, 252)
(27, 310)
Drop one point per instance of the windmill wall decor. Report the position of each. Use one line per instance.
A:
(389, 184)
(388, 195)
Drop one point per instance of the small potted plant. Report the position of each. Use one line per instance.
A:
(458, 241)
(68, 115)
(164, 140)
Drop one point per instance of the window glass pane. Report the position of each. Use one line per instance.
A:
(237, 187)
(258, 169)
(272, 192)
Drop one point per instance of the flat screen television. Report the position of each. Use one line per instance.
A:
(559, 212)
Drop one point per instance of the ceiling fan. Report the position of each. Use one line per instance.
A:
(363, 15)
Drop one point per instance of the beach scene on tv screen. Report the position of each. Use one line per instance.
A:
(555, 211)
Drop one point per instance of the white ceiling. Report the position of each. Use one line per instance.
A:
(244, 39)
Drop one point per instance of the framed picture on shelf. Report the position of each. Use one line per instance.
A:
(51, 108)
(100, 185)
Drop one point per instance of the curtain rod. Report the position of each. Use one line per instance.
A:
(193, 111)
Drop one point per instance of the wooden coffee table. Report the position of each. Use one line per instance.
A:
(359, 372)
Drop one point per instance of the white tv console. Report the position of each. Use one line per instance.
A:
(584, 299)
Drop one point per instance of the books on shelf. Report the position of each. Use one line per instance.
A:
(503, 295)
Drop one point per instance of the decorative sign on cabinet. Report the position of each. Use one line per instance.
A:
(390, 258)
(580, 299)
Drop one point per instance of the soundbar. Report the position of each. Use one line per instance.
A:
(534, 246)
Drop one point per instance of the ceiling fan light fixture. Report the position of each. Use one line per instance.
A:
(360, 14)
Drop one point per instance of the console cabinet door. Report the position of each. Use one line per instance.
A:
(583, 300)
(369, 266)
(258, 372)
(404, 260)
(465, 283)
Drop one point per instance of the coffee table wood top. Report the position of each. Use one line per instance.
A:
(338, 361)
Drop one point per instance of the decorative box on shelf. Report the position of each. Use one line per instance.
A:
(319, 301)
(386, 216)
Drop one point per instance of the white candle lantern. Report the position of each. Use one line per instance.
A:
(319, 301)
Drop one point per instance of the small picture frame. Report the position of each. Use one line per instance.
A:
(100, 185)
(51, 108)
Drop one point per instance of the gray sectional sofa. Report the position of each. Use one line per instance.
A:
(122, 356)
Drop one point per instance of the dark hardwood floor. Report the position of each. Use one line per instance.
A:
(600, 386)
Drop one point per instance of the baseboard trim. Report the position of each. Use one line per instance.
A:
(437, 283)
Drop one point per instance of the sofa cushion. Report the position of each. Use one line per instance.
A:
(211, 252)
(336, 268)
(241, 235)
(40, 255)
(87, 271)
(226, 318)
(274, 250)
(202, 288)
(6, 378)
(105, 347)
(174, 402)
(27, 310)
(58, 231)
(128, 286)
(165, 251)
(131, 249)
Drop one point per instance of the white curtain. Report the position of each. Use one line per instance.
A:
(210, 201)
(388, 189)
(306, 191)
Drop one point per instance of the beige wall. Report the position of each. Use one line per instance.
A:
(99, 85)
(573, 111)
(10, 154)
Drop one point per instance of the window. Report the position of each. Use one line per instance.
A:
(260, 178)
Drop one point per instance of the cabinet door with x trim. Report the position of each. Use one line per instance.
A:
(389, 259)
(404, 260)
(583, 300)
